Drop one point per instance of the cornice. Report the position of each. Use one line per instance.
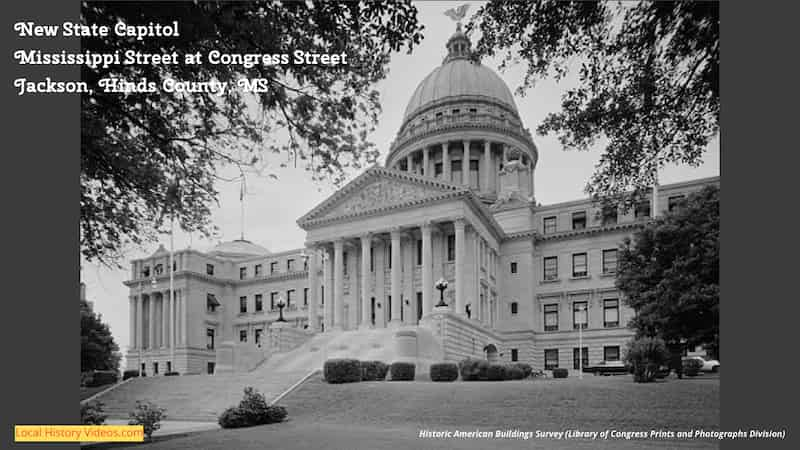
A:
(185, 274)
(588, 231)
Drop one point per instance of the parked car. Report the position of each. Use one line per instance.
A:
(708, 365)
(607, 368)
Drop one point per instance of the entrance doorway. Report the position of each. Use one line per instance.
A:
(372, 310)
(419, 306)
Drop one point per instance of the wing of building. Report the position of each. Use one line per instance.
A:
(455, 200)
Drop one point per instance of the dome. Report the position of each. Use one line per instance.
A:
(238, 248)
(462, 78)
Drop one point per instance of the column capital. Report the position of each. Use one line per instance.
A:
(365, 237)
(426, 226)
(460, 222)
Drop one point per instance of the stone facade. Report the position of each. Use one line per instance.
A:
(455, 201)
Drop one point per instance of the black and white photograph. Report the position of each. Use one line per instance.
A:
(394, 225)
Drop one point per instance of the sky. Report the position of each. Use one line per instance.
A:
(272, 206)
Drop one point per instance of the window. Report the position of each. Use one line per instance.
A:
(211, 303)
(473, 110)
(579, 265)
(273, 296)
(159, 269)
(456, 111)
(610, 261)
(419, 252)
(551, 317)
(642, 210)
(169, 366)
(242, 305)
(259, 302)
(674, 202)
(513, 267)
(437, 169)
(514, 355)
(551, 359)
(273, 268)
(210, 338)
(305, 264)
(550, 224)
(579, 220)
(611, 313)
(210, 368)
(146, 271)
(451, 247)
(289, 295)
(609, 215)
(242, 273)
(242, 335)
(257, 338)
(576, 363)
(344, 262)
(514, 307)
(305, 296)
(210, 269)
(174, 266)
(579, 315)
(551, 268)
(389, 255)
(611, 353)
(372, 259)
(144, 369)
(155, 368)
(258, 270)
(290, 265)
(322, 295)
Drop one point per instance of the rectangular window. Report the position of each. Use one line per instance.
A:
(372, 259)
(551, 317)
(146, 271)
(579, 265)
(456, 111)
(305, 296)
(674, 202)
(210, 269)
(322, 295)
(344, 262)
(273, 297)
(242, 335)
(609, 215)
(210, 368)
(611, 313)
(551, 359)
(451, 247)
(551, 268)
(259, 302)
(389, 255)
(210, 338)
(289, 297)
(610, 261)
(257, 337)
(611, 353)
(513, 267)
(290, 265)
(514, 355)
(169, 366)
(155, 368)
(242, 305)
(585, 357)
(305, 264)
(211, 303)
(455, 166)
(549, 224)
(258, 270)
(437, 169)
(273, 268)
(242, 273)
(514, 307)
(580, 315)
(419, 252)
(579, 220)
(642, 210)
(159, 269)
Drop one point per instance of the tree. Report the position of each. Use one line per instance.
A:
(147, 157)
(669, 274)
(648, 80)
(98, 349)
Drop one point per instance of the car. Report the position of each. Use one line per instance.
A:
(607, 368)
(708, 365)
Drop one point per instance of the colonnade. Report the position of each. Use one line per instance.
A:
(165, 327)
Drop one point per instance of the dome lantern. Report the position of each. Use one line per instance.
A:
(458, 46)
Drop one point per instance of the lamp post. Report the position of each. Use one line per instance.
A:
(441, 285)
(281, 304)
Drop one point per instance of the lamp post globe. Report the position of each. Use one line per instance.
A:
(441, 285)
(281, 304)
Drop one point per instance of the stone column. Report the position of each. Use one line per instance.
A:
(426, 162)
(427, 269)
(327, 311)
(338, 284)
(380, 290)
(461, 300)
(409, 163)
(396, 268)
(465, 164)
(173, 323)
(184, 318)
(445, 162)
(410, 252)
(313, 288)
(487, 163)
(132, 322)
(164, 321)
(366, 245)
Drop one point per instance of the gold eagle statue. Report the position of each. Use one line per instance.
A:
(457, 13)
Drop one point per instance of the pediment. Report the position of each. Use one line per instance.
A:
(380, 189)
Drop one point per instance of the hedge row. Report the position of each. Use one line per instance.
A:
(445, 371)
(352, 370)
(482, 370)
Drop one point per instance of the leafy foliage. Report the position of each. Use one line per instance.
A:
(374, 370)
(669, 273)
(98, 349)
(92, 413)
(149, 156)
(691, 367)
(648, 79)
(560, 373)
(252, 410)
(149, 416)
(402, 371)
(473, 369)
(446, 371)
(342, 370)
(646, 355)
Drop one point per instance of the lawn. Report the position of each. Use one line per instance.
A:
(383, 415)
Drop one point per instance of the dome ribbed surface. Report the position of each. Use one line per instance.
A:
(239, 248)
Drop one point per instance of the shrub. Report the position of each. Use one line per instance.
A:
(101, 378)
(342, 370)
(525, 368)
(560, 373)
(374, 370)
(474, 369)
(92, 413)
(130, 374)
(149, 416)
(496, 372)
(445, 371)
(171, 374)
(691, 367)
(402, 371)
(646, 356)
(252, 410)
(514, 372)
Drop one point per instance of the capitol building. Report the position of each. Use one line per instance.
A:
(455, 201)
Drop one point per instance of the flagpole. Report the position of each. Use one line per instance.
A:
(171, 288)
(241, 205)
